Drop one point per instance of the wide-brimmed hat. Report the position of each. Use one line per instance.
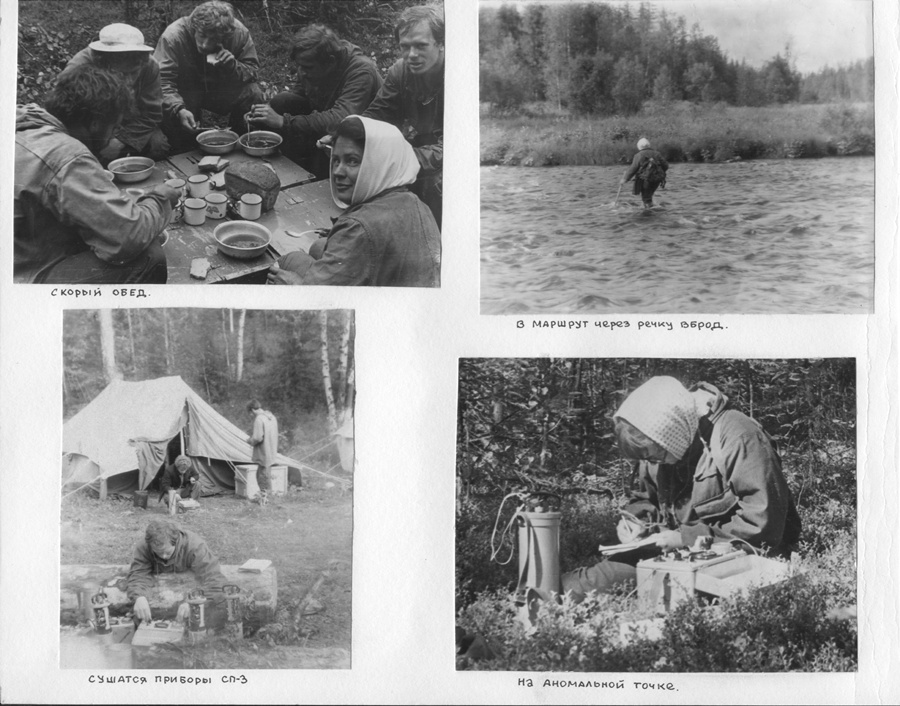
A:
(120, 37)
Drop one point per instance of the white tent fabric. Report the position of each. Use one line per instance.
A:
(128, 426)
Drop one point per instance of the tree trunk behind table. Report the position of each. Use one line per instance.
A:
(259, 592)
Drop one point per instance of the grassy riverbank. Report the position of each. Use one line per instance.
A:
(683, 132)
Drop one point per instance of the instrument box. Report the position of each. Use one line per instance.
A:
(156, 632)
(665, 581)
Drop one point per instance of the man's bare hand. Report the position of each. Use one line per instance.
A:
(142, 609)
(669, 539)
(263, 114)
(187, 120)
(280, 276)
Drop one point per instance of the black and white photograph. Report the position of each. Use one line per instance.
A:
(677, 157)
(656, 515)
(185, 142)
(207, 489)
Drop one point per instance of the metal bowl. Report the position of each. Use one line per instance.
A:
(272, 139)
(243, 232)
(129, 170)
(226, 137)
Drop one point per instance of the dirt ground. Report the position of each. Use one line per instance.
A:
(304, 533)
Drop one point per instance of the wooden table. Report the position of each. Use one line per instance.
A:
(301, 205)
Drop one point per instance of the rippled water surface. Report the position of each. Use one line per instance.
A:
(754, 237)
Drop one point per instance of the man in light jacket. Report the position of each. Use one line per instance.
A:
(264, 440)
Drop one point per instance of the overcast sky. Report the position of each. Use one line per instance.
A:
(821, 32)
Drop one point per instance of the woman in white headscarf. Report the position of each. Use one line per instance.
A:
(708, 471)
(648, 169)
(386, 236)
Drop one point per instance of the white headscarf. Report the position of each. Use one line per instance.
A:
(663, 410)
(388, 161)
(643, 144)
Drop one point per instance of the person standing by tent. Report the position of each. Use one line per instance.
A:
(648, 169)
(264, 440)
(180, 480)
(166, 548)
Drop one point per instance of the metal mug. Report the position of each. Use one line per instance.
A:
(178, 185)
(198, 186)
(250, 206)
(216, 205)
(194, 212)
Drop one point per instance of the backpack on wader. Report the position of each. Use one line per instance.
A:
(652, 173)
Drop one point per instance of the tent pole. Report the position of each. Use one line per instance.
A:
(181, 438)
(103, 489)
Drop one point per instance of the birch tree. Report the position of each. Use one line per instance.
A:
(108, 346)
(326, 371)
(239, 353)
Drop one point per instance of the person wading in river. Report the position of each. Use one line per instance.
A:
(648, 169)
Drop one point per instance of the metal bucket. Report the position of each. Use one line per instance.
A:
(140, 499)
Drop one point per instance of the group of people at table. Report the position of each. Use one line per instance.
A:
(380, 141)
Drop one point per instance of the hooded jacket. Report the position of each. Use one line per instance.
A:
(386, 236)
(65, 204)
(415, 105)
(347, 90)
(191, 554)
(185, 74)
(264, 438)
(729, 485)
(146, 117)
(640, 158)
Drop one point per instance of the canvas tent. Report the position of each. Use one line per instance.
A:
(118, 441)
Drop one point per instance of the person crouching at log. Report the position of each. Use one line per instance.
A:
(166, 548)
(386, 236)
(708, 471)
(648, 169)
(180, 480)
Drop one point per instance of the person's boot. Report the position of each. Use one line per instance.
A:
(263, 497)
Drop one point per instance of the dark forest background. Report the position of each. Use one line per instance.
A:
(298, 364)
(543, 425)
(50, 32)
(600, 59)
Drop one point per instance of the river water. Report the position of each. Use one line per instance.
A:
(784, 236)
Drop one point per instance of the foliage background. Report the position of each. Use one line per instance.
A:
(50, 32)
(545, 424)
(282, 363)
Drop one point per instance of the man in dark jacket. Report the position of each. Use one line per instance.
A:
(180, 480)
(166, 548)
(71, 224)
(412, 98)
(121, 49)
(207, 60)
(648, 169)
(334, 79)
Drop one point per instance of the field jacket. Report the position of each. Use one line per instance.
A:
(415, 104)
(390, 240)
(639, 159)
(172, 479)
(264, 438)
(347, 90)
(729, 485)
(191, 554)
(146, 116)
(65, 204)
(185, 74)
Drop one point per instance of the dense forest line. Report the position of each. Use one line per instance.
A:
(602, 59)
(299, 364)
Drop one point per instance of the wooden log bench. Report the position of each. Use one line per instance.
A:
(78, 582)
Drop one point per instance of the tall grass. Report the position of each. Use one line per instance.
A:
(682, 132)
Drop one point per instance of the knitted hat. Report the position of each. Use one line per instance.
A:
(643, 144)
(182, 460)
(663, 410)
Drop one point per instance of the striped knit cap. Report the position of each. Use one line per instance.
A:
(663, 410)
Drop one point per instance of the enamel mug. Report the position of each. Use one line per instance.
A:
(194, 212)
(216, 205)
(250, 206)
(198, 186)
